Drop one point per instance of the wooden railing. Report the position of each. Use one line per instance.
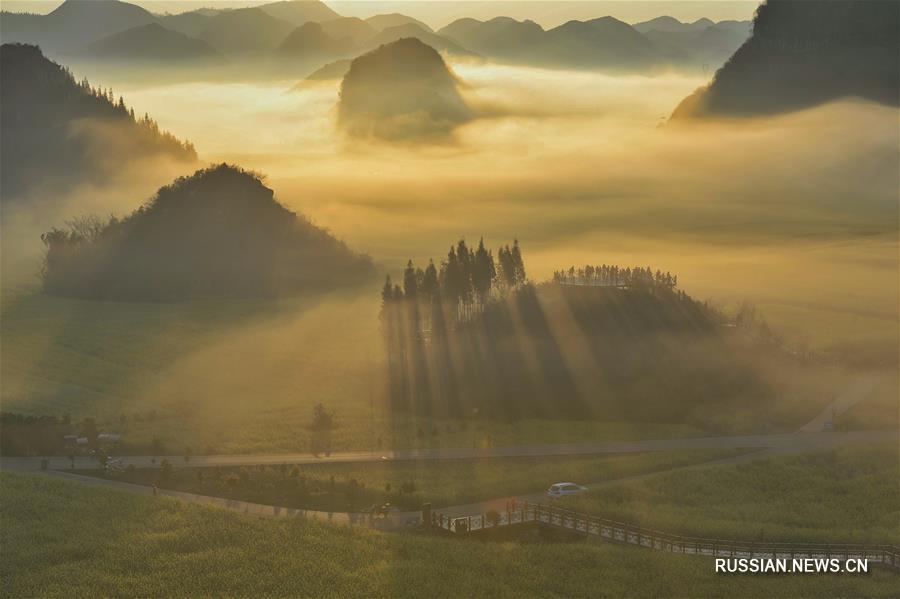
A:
(653, 539)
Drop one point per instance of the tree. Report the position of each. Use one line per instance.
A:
(387, 292)
(322, 424)
(323, 420)
(518, 263)
(157, 447)
(430, 285)
(410, 282)
(483, 271)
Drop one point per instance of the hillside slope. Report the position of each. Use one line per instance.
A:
(218, 233)
(53, 129)
(802, 54)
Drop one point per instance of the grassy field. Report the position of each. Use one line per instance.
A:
(848, 495)
(236, 376)
(63, 539)
(351, 487)
(243, 376)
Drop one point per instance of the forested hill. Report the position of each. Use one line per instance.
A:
(806, 53)
(403, 89)
(474, 336)
(54, 127)
(218, 233)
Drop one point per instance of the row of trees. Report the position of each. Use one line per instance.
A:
(433, 302)
(615, 276)
(467, 279)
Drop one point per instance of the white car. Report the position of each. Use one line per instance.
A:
(563, 489)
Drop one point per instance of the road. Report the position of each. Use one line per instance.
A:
(764, 444)
(800, 441)
(858, 391)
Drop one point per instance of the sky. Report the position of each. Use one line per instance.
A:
(438, 13)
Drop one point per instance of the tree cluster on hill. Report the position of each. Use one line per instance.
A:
(467, 279)
(615, 276)
(642, 351)
(45, 125)
(218, 233)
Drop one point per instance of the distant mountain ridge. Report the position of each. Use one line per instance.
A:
(76, 24)
(55, 132)
(245, 31)
(309, 41)
(79, 28)
(806, 53)
(148, 43)
(73, 24)
(603, 43)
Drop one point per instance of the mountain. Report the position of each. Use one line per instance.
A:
(600, 43)
(310, 41)
(604, 42)
(711, 45)
(664, 23)
(245, 31)
(402, 90)
(331, 71)
(802, 54)
(299, 12)
(191, 23)
(73, 24)
(352, 28)
(219, 233)
(501, 37)
(149, 43)
(411, 30)
(55, 132)
(381, 22)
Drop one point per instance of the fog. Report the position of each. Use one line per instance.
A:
(579, 166)
(583, 167)
(797, 214)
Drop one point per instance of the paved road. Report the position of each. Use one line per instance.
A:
(500, 503)
(855, 393)
(765, 445)
(784, 442)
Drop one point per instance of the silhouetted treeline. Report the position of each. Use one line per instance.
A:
(467, 279)
(637, 351)
(615, 276)
(217, 233)
(46, 121)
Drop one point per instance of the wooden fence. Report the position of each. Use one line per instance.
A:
(610, 530)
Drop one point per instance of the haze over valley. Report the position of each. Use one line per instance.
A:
(304, 228)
